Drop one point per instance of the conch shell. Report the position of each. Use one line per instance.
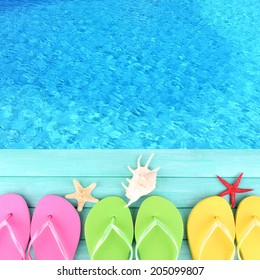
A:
(142, 182)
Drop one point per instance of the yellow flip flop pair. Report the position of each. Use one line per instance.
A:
(212, 229)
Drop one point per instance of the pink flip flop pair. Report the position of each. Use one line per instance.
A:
(54, 231)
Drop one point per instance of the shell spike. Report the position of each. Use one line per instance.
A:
(149, 160)
(156, 169)
(139, 161)
(124, 186)
(128, 204)
(130, 169)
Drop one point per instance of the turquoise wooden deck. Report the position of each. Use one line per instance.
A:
(185, 177)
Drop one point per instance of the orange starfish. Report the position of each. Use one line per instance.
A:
(82, 195)
(232, 189)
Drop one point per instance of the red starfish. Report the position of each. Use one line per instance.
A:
(232, 189)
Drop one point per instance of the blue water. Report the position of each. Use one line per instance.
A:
(129, 74)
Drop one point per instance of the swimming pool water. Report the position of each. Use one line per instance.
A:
(129, 74)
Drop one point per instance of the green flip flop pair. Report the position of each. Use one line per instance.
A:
(109, 230)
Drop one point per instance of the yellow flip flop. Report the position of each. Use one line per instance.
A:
(248, 228)
(211, 230)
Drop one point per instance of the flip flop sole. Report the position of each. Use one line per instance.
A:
(248, 209)
(201, 218)
(19, 221)
(156, 245)
(97, 221)
(66, 222)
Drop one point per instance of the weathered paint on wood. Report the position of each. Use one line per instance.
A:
(111, 163)
(183, 192)
(185, 177)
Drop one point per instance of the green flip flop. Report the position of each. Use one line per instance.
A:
(158, 230)
(109, 230)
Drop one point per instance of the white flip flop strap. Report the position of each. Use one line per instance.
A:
(153, 224)
(50, 225)
(15, 240)
(254, 223)
(217, 224)
(105, 235)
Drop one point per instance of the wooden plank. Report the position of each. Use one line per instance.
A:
(82, 251)
(83, 215)
(111, 163)
(183, 192)
(185, 254)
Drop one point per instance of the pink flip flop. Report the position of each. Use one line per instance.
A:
(14, 227)
(55, 229)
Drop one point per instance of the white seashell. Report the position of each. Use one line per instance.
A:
(142, 182)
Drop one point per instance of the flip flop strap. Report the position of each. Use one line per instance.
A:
(105, 235)
(254, 223)
(50, 225)
(217, 224)
(152, 225)
(15, 240)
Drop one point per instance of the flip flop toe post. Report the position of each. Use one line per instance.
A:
(14, 227)
(55, 229)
